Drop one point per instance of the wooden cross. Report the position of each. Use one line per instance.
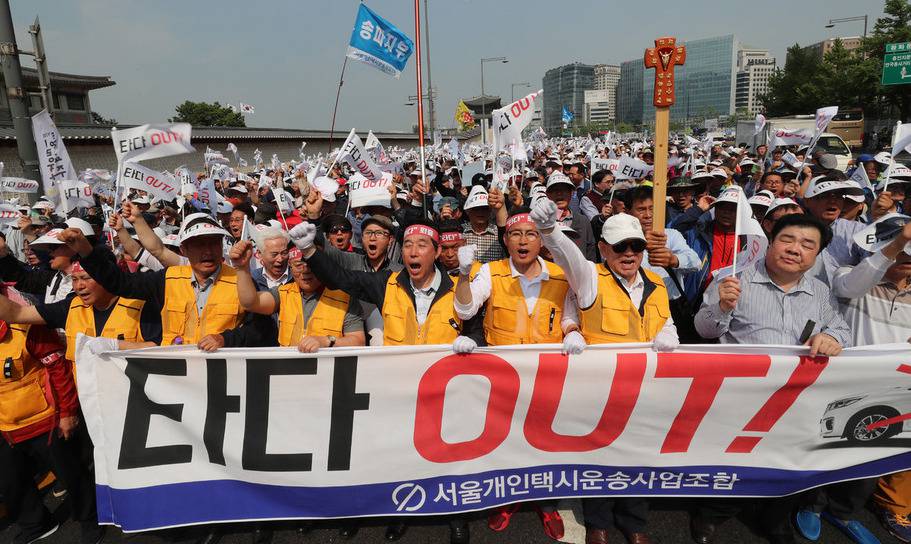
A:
(663, 58)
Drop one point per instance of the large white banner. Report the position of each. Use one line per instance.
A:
(53, 158)
(790, 136)
(632, 168)
(184, 437)
(160, 184)
(151, 141)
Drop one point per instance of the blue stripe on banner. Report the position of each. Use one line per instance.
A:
(190, 503)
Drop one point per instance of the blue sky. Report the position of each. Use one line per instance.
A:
(284, 56)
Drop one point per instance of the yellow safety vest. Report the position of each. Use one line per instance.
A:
(400, 323)
(25, 397)
(179, 317)
(123, 323)
(507, 321)
(328, 318)
(612, 318)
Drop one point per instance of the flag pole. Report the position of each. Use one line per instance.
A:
(341, 81)
(420, 100)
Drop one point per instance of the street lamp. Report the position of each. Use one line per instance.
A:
(833, 22)
(504, 60)
(514, 85)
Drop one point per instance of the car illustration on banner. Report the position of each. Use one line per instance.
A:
(850, 417)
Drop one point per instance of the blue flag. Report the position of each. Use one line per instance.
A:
(567, 115)
(377, 42)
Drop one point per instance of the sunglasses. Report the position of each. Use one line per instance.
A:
(638, 246)
(339, 228)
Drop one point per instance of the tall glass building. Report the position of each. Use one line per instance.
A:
(566, 86)
(706, 83)
(630, 92)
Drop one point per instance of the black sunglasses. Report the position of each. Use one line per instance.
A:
(621, 247)
(339, 228)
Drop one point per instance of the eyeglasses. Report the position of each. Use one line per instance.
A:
(637, 245)
(375, 234)
(339, 228)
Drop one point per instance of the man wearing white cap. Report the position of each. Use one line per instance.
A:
(480, 230)
(54, 284)
(638, 311)
(197, 302)
(825, 200)
(560, 190)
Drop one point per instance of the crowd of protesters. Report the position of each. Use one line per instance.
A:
(546, 250)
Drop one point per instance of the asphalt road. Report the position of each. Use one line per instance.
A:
(668, 524)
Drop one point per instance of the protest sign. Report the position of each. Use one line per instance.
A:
(18, 185)
(159, 184)
(185, 437)
(369, 192)
(789, 136)
(52, 155)
(508, 123)
(377, 42)
(610, 165)
(9, 214)
(631, 168)
(151, 141)
(353, 152)
(75, 193)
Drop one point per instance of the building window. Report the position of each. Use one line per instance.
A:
(75, 102)
(34, 103)
(56, 101)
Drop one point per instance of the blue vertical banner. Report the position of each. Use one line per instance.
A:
(568, 116)
(377, 42)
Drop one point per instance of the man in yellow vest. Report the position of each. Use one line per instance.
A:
(522, 281)
(38, 423)
(309, 315)
(93, 311)
(197, 302)
(619, 301)
(417, 304)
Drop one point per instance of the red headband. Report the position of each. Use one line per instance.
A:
(414, 230)
(75, 268)
(451, 237)
(518, 218)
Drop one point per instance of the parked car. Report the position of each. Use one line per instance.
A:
(849, 417)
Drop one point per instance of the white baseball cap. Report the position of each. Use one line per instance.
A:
(224, 207)
(200, 226)
(477, 198)
(762, 198)
(825, 184)
(558, 178)
(50, 238)
(621, 227)
(731, 194)
(779, 202)
(81, 224)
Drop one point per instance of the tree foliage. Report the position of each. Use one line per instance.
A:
(848, 79)
(204, 114)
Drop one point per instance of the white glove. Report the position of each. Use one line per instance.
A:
(544, 214)
(466, 258)
(303, 235)
(97, 346)
(464, 344)
(573, 343)
(665, 344)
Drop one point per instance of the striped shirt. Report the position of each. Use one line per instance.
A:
(766, 314)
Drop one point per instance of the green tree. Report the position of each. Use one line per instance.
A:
(793, 89)
(204, 114)
(98, 119)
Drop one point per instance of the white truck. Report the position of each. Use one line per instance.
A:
(828, 142)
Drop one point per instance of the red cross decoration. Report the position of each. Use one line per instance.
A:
(663, 58)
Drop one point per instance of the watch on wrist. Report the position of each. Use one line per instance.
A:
(332, 340)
